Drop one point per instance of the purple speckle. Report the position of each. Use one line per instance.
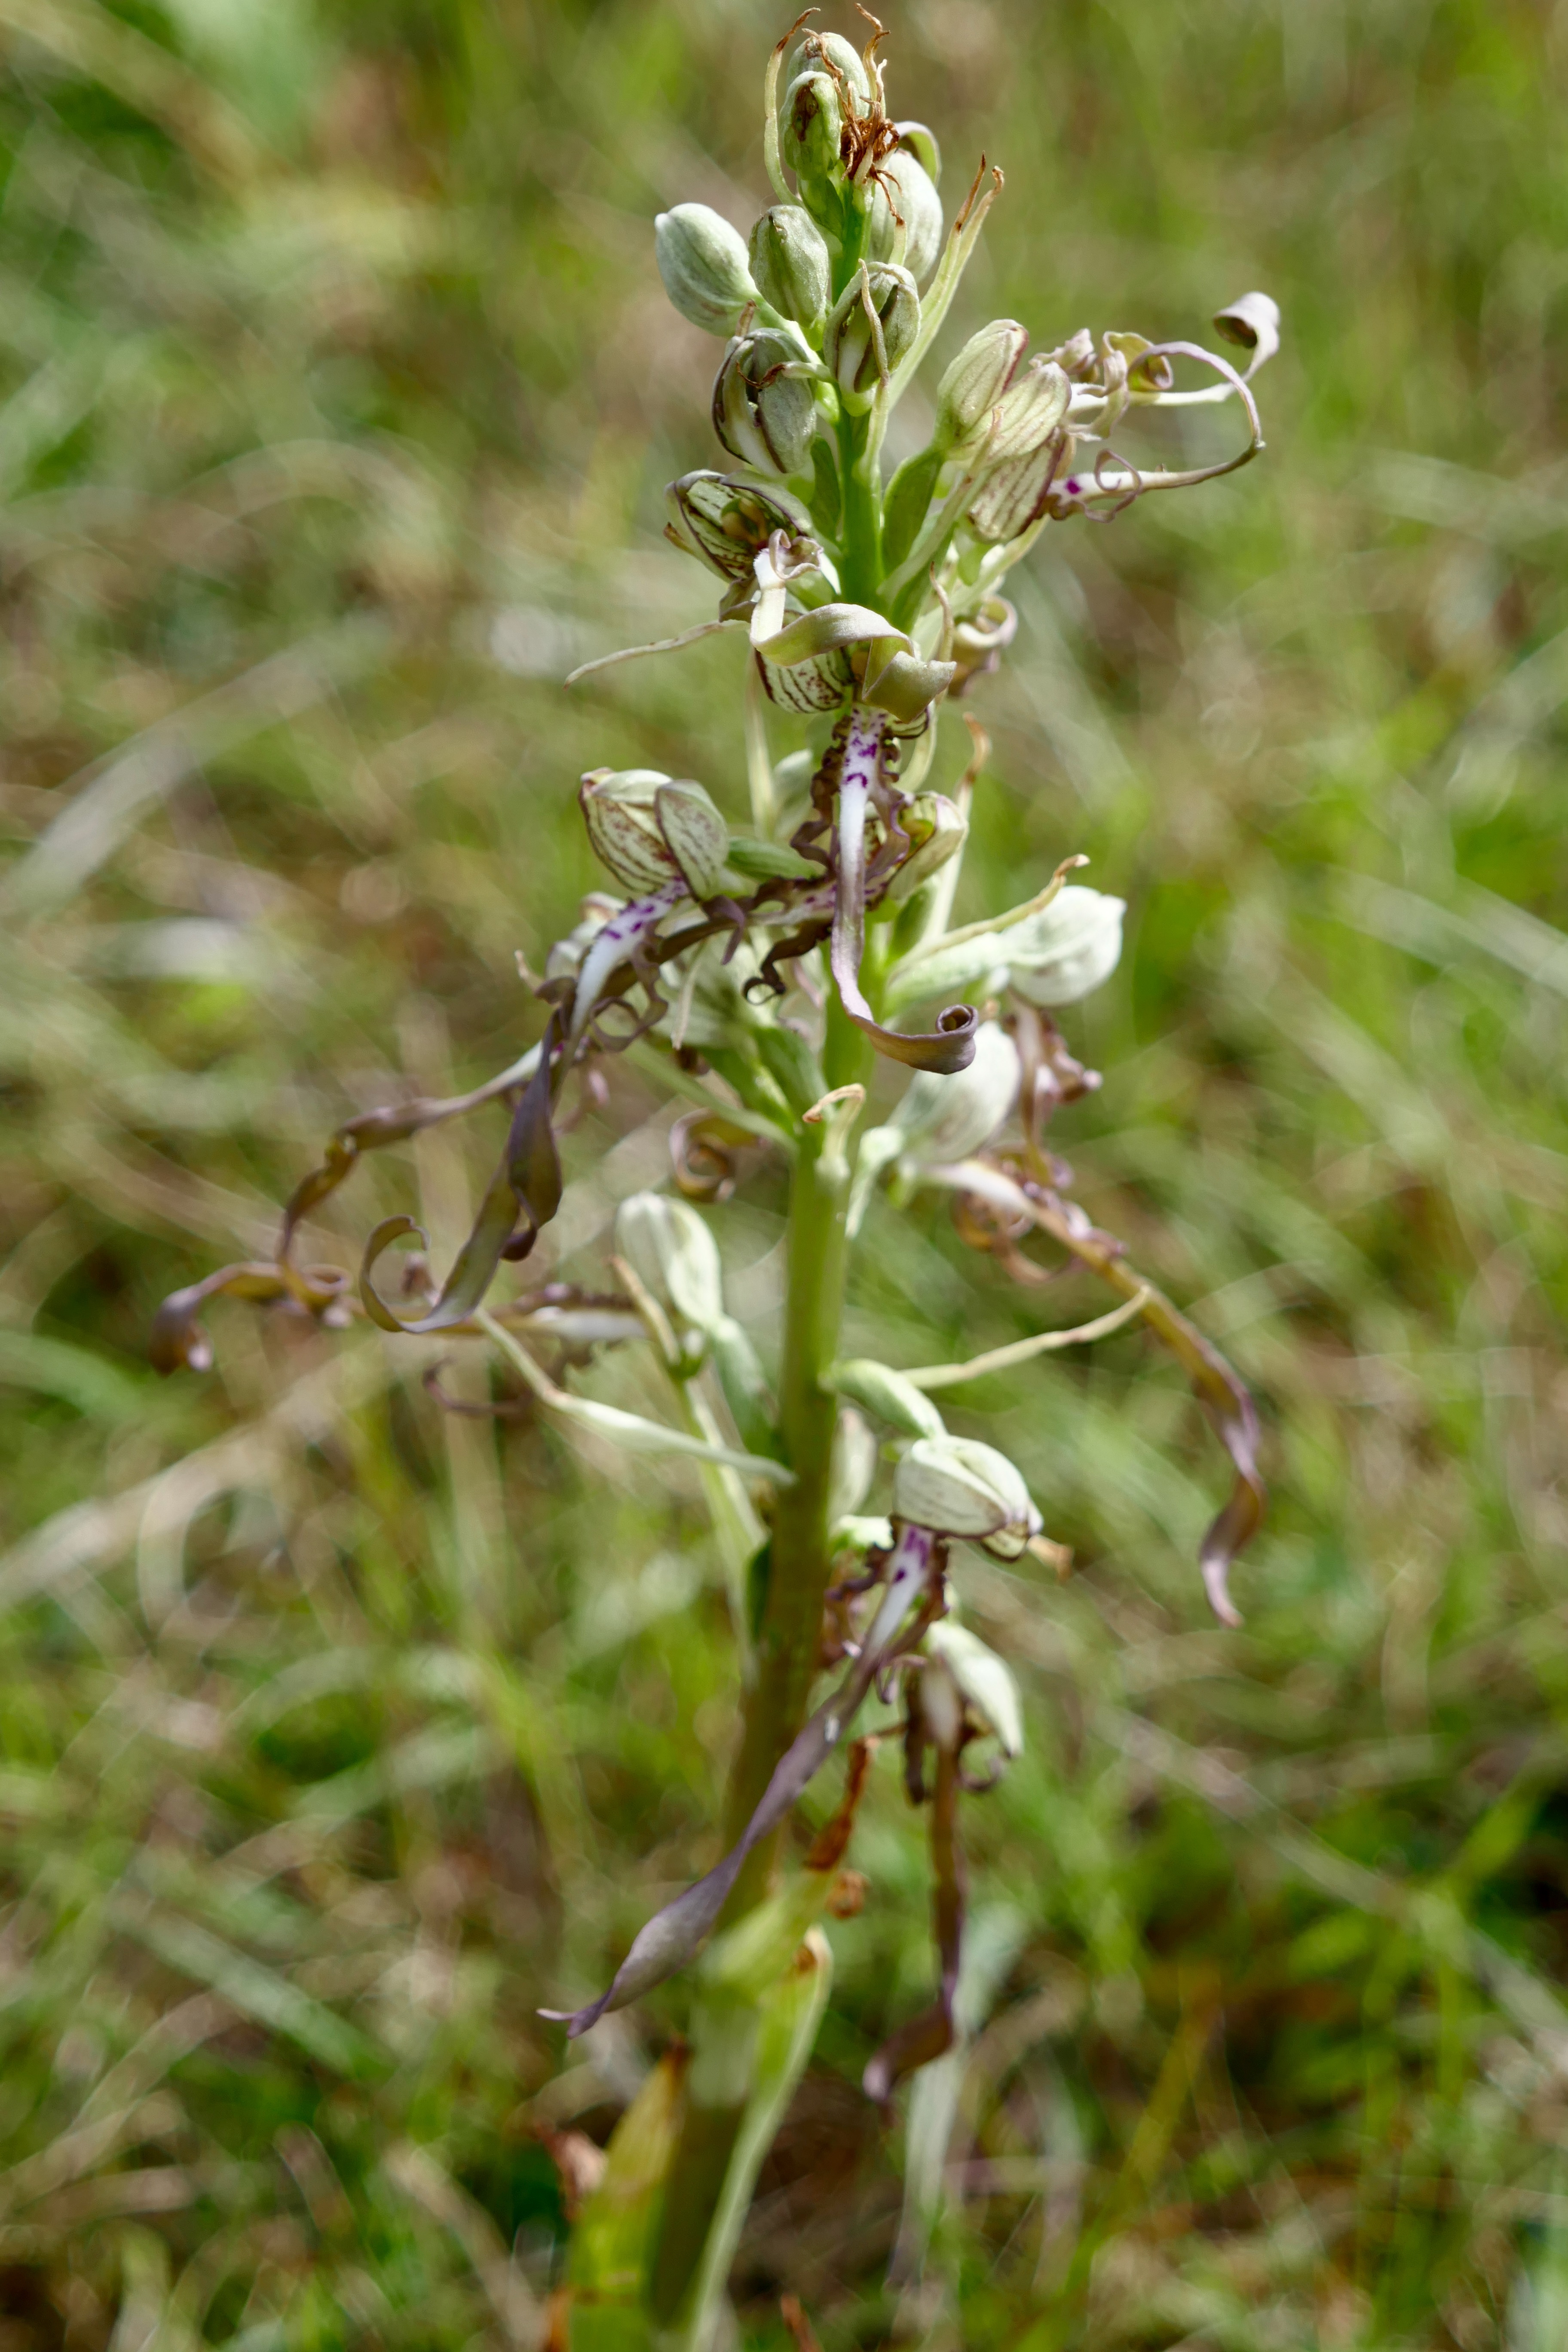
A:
(1075, 487)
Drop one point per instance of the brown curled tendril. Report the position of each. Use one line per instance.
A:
(393, 1124)
(177, 1341)
(704, 1151)
(1226, 1404)
(519, 1200)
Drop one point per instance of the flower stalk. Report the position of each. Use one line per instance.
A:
(764, 978)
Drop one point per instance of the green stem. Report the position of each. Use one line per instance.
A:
(861, 568)
(776, 1703)
(800, 1550)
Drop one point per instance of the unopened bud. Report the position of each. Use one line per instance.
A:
(959, 1488)
(941, 1706)
(674, 1255)
(1075, 357)
(811, 125)
(1059, 956)
(652, 832)
(792, 267)
(878, 1389)
(1015, 495)
(1030, 410)
(726, 522)
(938, 829)
(873, 324)
(975, 381)
(839, 59)
(1051, 957)
(762, 413)
(703, 261)
(905, 211)
(941, 1119)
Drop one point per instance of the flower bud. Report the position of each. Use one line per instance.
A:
(975, 381)
(959, 1488)
(791, 266)
(673, 1254)
(1030, 411)
(1014, 494)
(1057, 957)
(1053, 958)
(839, 59)
(941, 1706)
(650, 832)
(938, 829)
(725, 522)
(703, 261)
(697, 835)
(941, 1119)
(983, 1682)
(1075, 357)
(905, 208)
(811, 125)
(763, 415)
(849, 345)
(878, 1389)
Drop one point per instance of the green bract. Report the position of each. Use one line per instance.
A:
(937, 829)
(906, 223)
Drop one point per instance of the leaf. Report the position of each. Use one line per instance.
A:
(790, 2014)
(612, 2244)
(95, 1386)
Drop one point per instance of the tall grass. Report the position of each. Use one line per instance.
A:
(338, 1732)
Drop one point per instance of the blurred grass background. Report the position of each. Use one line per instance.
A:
(337, 393)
